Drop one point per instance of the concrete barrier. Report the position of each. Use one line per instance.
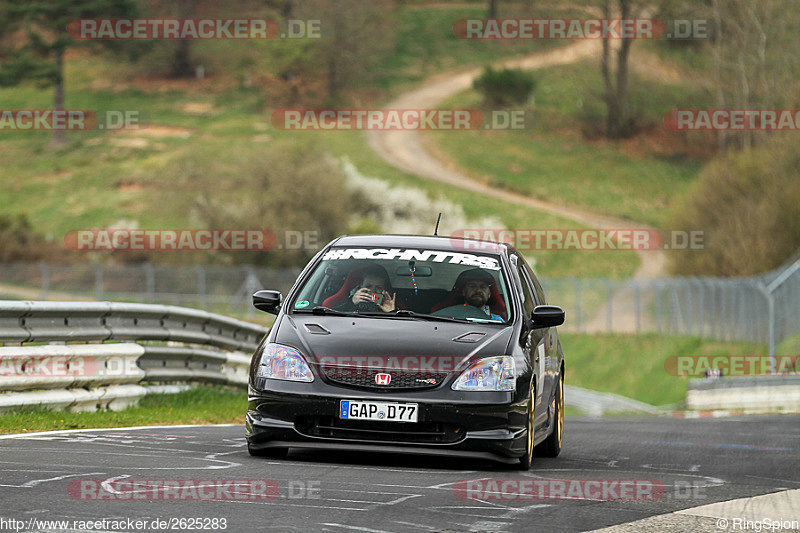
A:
(762, 394)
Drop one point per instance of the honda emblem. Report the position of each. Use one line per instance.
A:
(383, 379)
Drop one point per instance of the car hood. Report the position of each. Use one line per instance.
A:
(320, 337)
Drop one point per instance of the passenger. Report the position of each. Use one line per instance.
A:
(473, 288)
(371, 293)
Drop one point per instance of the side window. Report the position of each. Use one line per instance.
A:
(529, 303)
(535, 282)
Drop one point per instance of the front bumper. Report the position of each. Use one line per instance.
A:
(488, 425)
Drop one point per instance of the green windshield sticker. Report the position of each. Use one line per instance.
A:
(301, 304)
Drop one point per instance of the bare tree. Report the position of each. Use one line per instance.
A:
(754, 58)
(614, 67)
(354, 35)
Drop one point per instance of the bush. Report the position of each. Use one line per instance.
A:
(501, 88)
(19, 243)
(748, 206)
(381, 208)
(283, 188)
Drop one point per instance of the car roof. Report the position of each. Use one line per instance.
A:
(431, 242)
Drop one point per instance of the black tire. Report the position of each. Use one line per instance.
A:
(551, 446)
(526, 460)
(274, 453)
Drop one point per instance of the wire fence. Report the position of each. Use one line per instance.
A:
(220, 289)
(764, 308)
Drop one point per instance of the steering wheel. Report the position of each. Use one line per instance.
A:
(462, 311)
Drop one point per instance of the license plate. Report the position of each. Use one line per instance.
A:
(382, 411)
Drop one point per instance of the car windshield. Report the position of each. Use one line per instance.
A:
(408, 282)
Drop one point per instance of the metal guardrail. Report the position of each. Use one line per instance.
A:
(182, 345)
(29, 321)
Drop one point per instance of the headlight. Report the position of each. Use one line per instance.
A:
(283, 362)
(490, 374)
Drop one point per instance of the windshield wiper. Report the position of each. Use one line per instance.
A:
(321, 310)
(412, 314)
(485, 320)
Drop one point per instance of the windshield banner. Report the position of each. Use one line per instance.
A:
(405, 254)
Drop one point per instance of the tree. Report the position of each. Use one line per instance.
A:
(747, 203)
(754, 57)
(619, 118)
(354, 35)
(41, 56)
(181, 60)
(492, 9)
(752, 48)
(284, 7)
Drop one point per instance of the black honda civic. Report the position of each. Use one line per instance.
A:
(410, 344)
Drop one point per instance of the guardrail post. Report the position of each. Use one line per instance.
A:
(98, 281)
(201, 285)
(723, 300)
(637, 304)
(150, 281)
(45, 279)
(702, 319)
(577, 284)
(658, 288)
(770, 323)
(742, 298)
(609, 314)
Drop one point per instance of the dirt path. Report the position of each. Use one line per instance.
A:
(406, 151)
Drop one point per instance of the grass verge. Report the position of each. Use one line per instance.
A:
(199, 405)
(633, 365)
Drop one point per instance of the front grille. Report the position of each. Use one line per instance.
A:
(365, 378)
(366, 430)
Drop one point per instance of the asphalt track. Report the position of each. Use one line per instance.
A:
(698, 461)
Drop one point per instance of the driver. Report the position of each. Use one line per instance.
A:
(476, 291)
(371, 293)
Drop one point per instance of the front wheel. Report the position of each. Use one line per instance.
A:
(526, 460)
(551, 446)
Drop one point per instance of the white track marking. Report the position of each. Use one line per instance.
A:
(34, 482)
(355, 528)
(89, 430)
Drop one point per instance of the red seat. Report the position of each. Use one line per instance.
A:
(352, 280)
(343, 294)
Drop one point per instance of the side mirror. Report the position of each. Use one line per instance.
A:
(547, 316)
(268, 301)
